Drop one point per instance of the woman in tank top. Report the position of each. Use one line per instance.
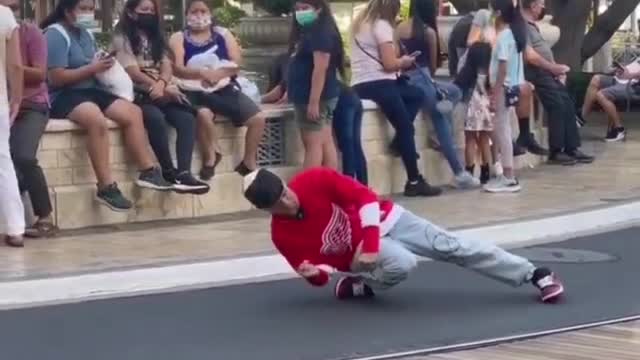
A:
(202, 35)
(419, 35)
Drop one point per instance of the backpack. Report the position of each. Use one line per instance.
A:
(115, 80)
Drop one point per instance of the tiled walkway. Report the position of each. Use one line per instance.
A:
(615, 176)
(619, 342)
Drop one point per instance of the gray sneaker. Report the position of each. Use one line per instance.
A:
(502, 184)
(111, 196)
(465, 180)
(153, 179)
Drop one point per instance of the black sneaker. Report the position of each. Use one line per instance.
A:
(581, 157)
(536, 149)
(615, 134)
(185, 183)
(559, 158)
(420, 188)
(485, 174)
(518, 150)
(111, 196)
(152, 179)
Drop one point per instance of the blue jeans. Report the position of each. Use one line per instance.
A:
(442, 123)
(413, 235)
(400, 103)
(347, 125)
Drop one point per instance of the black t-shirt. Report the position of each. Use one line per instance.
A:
(320, 37)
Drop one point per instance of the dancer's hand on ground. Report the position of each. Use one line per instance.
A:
(367, 261)
(307, 269)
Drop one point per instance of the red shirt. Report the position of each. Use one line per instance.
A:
(338, 215)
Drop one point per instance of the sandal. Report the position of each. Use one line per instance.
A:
(14, 241)
(208, 171)
(41, 229)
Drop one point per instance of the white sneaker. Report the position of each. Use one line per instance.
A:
(465, 180)
(502, 184)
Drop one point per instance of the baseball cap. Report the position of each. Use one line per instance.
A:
(262, 188)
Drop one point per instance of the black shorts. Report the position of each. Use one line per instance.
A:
(66, 101)
(228, 102)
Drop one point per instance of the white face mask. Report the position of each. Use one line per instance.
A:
(199, 22)
(85, 20)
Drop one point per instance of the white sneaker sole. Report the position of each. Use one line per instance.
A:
(502, 190)
(553, 295)
(152, 186)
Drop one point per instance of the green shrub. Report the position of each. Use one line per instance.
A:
(228, 16)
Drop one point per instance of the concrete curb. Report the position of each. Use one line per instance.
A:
(173, 278)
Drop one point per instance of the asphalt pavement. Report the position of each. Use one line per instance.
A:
(440, 304)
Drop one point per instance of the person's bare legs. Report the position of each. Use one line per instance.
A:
(610, 109)
(129, 117)
(591, 95)
(329, 151)
(485, 147)
(255, 132)
(313, 147)
(208, 141)
(90, 118)
(470, 139)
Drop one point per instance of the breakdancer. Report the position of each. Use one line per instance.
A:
(324, 221)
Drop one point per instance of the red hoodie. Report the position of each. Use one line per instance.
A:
(337, 214)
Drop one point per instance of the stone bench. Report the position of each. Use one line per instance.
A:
(66, 164)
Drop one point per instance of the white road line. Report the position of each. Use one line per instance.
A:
(495, 341)
(123, 283)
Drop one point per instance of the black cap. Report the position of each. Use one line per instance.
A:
(263, 188)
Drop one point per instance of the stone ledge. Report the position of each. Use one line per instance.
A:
(64, 158)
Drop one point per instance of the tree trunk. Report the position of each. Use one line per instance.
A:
(571, 17)
(607, 24)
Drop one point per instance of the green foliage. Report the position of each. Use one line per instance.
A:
(228, 16)
(275, 7)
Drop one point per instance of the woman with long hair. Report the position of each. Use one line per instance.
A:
(201, 36)
(77, 95)
(507, 78)
(141, 49)
(419, 35)
(317, 56)
(374, 75)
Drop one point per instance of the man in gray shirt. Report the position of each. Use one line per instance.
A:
(546, 75)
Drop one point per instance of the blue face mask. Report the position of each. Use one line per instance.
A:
(85, 20)
(306, 17)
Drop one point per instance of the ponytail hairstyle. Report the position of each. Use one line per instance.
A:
(510, 14)
(478, 59)
(59, 13)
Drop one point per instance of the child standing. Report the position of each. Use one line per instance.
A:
(506, 74)
(473, 81)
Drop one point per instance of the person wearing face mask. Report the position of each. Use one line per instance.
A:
(547, 77)
(201, 36)
(141, 48)
(316, 51)
(77, 95)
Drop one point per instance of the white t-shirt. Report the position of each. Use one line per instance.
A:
(363, 67)
(7, 25)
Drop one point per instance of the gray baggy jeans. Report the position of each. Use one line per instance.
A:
(413, 235)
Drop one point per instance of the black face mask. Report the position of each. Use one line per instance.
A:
(543, 12)
(147, 21)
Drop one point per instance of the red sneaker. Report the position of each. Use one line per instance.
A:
(550, 288)
(349, 287)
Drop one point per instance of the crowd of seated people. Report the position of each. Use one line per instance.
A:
(499, 58)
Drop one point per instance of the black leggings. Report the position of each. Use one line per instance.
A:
(157, 118)
(400, 103)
